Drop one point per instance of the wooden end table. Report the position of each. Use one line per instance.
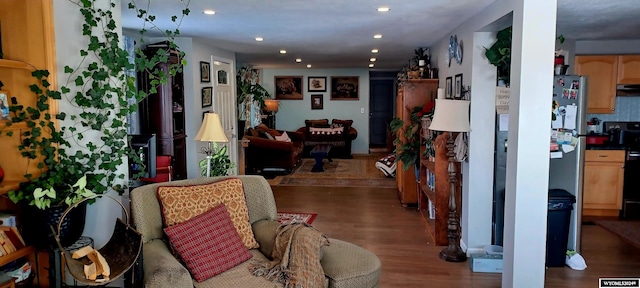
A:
(319, 152)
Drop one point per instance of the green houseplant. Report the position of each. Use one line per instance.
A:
(499, 54)
(408, 139)
(250, 93)
(220, 162)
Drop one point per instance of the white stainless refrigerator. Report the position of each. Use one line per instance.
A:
(568, 132)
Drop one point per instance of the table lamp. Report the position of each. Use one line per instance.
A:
(452, 116)
(212, 132)
(271, 106)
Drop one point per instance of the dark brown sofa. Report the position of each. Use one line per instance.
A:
(263, 152)
(341, 141)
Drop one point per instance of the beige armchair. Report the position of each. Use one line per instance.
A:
(344, 264)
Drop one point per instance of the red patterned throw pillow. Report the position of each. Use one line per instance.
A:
(208, 243)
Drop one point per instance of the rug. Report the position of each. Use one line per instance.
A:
(337, 168)
(628, 230)
(293, 217)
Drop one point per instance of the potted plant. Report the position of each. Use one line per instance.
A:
(220, 162)
(70, 166)
(408, 139)
(499, 54)
(250, 93)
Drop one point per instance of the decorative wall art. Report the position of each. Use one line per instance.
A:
(316, 102)
(222, 77)
(207, 100)
(317, 84)
(4, 105)
(205, 72)
(344, 88)
(457, 87)
(447, 88)
(288, 87)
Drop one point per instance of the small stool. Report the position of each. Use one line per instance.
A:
(350, 265)
(319, 152)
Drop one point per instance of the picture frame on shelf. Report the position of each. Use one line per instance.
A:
(447, 87)
(207, 99)
(457, 87)
(288, 87)
(205, 72)
(345, 88)
(4, 105)
(316, 102)
(316, 84)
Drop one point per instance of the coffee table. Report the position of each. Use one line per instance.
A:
(319, 152)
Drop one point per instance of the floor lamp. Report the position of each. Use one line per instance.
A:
(211, 131)
(271, 106)
(452, 116)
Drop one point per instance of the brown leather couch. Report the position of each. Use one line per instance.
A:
(341, 142)
(265, 153)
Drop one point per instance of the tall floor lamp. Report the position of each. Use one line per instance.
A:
(452, 116)
(211, 131)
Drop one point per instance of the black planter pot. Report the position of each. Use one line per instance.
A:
(37, 225)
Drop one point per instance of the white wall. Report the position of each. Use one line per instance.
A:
(292, 113)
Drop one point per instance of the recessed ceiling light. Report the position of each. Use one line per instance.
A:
(209, 12)
(383, 9)
(371, 65)
(259, 39)
(298, 60)
(308, 65)
(372, 59)
(283, 51)
(374, 50)
(377, 36)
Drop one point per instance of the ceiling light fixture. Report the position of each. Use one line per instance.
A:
(259, 39)
(377, 36)
(283, 51)
(298, 60)
(384, 9)
(371, 65)
(209, 12)
(308, 65)
(374, 50)
(216, 63)
(372, 59)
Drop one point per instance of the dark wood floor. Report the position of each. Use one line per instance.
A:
(373, 218)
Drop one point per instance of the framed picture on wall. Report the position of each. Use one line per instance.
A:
(457, 87)
(344, 88)
(207, 99)
(4, 105)
(205, 72)
(222, 77)
(317, 84)
(316, 101)
(447, 88)
(288, 87)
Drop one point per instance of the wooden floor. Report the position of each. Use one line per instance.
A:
(373, 218)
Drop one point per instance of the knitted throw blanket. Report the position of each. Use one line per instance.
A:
(296, 258)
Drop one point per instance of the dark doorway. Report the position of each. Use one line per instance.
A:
(381, 105)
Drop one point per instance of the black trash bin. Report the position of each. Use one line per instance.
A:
(558, 220)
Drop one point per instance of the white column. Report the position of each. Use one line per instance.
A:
(534, 27)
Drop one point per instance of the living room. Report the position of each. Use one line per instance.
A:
(475, 225)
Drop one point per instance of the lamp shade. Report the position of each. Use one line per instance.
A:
(271, 105)
(211, 129)
(451, 116)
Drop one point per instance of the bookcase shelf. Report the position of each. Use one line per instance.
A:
(26, 251)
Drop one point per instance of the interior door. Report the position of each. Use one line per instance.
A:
(224, 103)
(381, 110)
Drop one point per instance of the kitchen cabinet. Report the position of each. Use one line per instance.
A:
(602, 71)
(603, 181)
(628, 69)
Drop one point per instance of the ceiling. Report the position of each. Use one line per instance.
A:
(339, 33)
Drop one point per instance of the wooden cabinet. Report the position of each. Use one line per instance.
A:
(412, 93)
(162, 113)
(628, 69)
(434, 187)
(602, 71)
(603, 181)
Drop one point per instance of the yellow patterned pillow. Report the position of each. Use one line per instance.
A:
(181, 203)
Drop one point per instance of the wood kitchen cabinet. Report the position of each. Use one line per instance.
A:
(603, 181)
(602, 71)
(628, 69)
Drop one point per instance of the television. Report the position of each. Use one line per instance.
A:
(145, 147)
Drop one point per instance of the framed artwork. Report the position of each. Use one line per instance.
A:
(288, 87)
(317, 84)
(222, 77)
(316, 102)
(207, 100)
(344, 88)
(4, 105)
(205, 74)
(447, 88)
(457, 87)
